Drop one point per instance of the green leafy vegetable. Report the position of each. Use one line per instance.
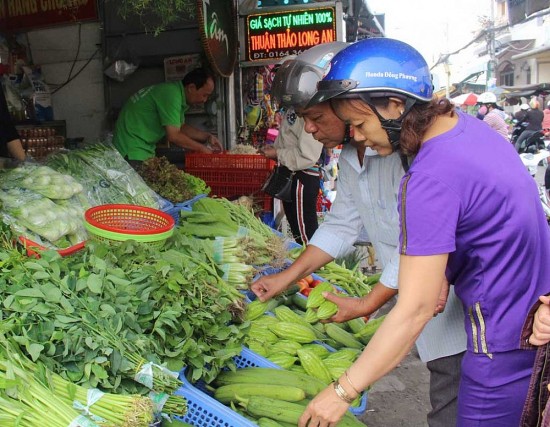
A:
(170, 182)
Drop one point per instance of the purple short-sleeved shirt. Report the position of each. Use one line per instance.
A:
(468, 194)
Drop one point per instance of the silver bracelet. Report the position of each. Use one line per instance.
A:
(342, 394)
(350, 383)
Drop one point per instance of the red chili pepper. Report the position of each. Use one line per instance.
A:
(306, 291)
(315, 283)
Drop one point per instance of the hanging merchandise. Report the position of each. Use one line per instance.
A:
(16, 107)
(34, 88)
(124, 62)
(259, 110)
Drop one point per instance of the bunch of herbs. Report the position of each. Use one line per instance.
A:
(170, 182)
(104, 314)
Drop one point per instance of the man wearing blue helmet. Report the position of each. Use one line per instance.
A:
(461, 221)
(366, 202)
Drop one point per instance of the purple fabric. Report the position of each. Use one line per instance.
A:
(492, 391)
(468, 194)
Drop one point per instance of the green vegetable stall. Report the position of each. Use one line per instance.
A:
(103, 333)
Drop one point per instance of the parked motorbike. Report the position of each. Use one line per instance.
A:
(536, 154)
(534, 143)
(517, 129)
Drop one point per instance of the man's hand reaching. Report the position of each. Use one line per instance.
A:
(442, 300)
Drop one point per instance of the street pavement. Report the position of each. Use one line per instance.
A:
(401, 398)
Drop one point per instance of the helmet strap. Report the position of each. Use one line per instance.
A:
(347, 134)
(392, 126)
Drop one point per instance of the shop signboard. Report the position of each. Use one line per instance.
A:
(176, 67)
(218, 27)
(19, 15)
(272, 35)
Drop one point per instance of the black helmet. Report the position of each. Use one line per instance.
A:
(296, 80)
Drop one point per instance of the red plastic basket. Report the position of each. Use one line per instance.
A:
(233, 191)
(227, 161)
(121, 222)
(34, 249)
(233, 175)
(250, 177)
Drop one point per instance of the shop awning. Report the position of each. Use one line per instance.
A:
(541, 52)
(526, 91)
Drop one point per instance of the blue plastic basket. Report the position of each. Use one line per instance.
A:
(250, 296)
(174, 212)
(188, 204)
(164, 204)
(174, 209)
(204, 410)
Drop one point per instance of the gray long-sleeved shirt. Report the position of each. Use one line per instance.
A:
(366, 201)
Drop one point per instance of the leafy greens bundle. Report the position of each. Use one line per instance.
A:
(110, 314)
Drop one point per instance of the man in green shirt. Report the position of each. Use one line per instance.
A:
(159, 111)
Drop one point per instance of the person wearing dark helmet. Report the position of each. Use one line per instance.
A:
(478, 226)
(366, 201)
(296, 150)
(533, 118)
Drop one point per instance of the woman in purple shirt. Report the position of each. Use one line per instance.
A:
(475, 224)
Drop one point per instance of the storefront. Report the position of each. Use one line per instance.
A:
(268, 35)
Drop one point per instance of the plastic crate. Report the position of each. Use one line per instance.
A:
(204, 410)
(188, 204)
(252, 177)
(174, 212)
(234, 191)
(227, 161)
(175, 209)
(250, 296)
(233, 175)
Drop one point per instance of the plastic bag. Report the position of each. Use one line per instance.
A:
(124, 62)
(105, 175)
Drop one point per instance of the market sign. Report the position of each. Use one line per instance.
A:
(273, 35)
(218, 27)
(17, 15)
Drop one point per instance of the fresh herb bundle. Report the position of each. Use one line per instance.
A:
(213, 218)
(170, 182)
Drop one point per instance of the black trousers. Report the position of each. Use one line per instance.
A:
(301, 212)
(547, 177)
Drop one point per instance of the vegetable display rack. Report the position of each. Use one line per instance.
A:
(233, 175)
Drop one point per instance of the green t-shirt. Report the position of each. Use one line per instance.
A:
(141, 122)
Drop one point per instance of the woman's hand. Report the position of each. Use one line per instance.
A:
(325, 410)
(348, 307)
(442, 300)
(541, 324)
(266, 287)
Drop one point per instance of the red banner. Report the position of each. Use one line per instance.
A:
(18, 15)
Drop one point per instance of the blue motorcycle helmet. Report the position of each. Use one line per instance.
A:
(378, 68)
